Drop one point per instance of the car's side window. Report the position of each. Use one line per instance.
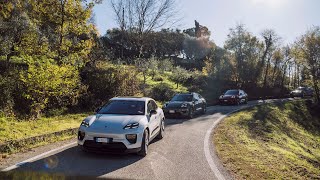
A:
(149, 107)
(196, 97)
(154, 105)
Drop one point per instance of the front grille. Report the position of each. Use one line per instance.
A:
(112, 147)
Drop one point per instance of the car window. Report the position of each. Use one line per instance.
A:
(196, 96)
(123, 107)
(149, 106)
(154, 105)
(232, 92)
(182, 97)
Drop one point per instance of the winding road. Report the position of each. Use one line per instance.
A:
(186, 152)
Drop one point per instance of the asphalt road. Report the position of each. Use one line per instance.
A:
(180, 155)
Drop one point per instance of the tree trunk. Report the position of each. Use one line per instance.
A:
(62, 2)
(266, 73)
(315, 84)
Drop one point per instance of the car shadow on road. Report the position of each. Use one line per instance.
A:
(73, 162)
(218, 109)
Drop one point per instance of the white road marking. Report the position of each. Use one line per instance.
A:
(206, 145)
(37, 157)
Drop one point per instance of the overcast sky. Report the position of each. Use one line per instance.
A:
(289, 18)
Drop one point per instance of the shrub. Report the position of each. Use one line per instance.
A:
(105, 82)
(180, 75)
(161, 92)
(46, 82)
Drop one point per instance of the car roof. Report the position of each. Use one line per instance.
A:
(187, 93)
(131, 98)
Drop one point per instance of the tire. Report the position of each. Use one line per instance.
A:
(204, 109)
(161, 133)
(191, 113)
(238, 102)
(144, 145)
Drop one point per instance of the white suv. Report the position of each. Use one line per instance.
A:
(123, 125)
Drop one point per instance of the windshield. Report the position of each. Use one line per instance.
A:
(232, 92)
(182, 97)
(123, 107)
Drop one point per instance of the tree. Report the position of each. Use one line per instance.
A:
(180, 75)
(161, 44)
(245, 49)
(45, 79)
(309, 52)
(144, 16)
(197, 46)
(270, 40)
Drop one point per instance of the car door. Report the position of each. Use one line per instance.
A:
(241, 96)
(197, 102)
(203, 101)
(153, 119)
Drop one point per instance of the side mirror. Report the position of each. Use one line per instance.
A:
(152, 112)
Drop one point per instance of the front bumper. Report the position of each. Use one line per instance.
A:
(170, 112)
(113, 147)
(228, 101)
(117, 142)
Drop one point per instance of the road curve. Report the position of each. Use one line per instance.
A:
(186, 152)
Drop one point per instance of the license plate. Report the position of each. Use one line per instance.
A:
(171, 111)
(225, 100)
(102, 140)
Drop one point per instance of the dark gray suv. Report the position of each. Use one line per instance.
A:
(185, 104)
(302, 92)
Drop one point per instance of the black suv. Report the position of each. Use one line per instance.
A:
(234, 96)
(185, 104)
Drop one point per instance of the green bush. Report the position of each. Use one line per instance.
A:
(48, 83)
(161, 92)
(180, 75)
(12, 102)
(105, 82)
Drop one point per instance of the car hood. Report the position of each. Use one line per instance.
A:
(112, 123)
(176, 104)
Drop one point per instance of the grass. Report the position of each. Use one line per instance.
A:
(165, 79)
(274, 141)
(12, 129)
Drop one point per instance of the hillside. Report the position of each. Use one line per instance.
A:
(274, 141)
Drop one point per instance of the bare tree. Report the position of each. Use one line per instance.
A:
(144, 16)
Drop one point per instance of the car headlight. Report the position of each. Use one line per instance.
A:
(184, 105)
(233, 96)
(85, 123)
(131, 126)
(165, 105)
(221, 97)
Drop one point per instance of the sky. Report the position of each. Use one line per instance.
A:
(289, 18)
